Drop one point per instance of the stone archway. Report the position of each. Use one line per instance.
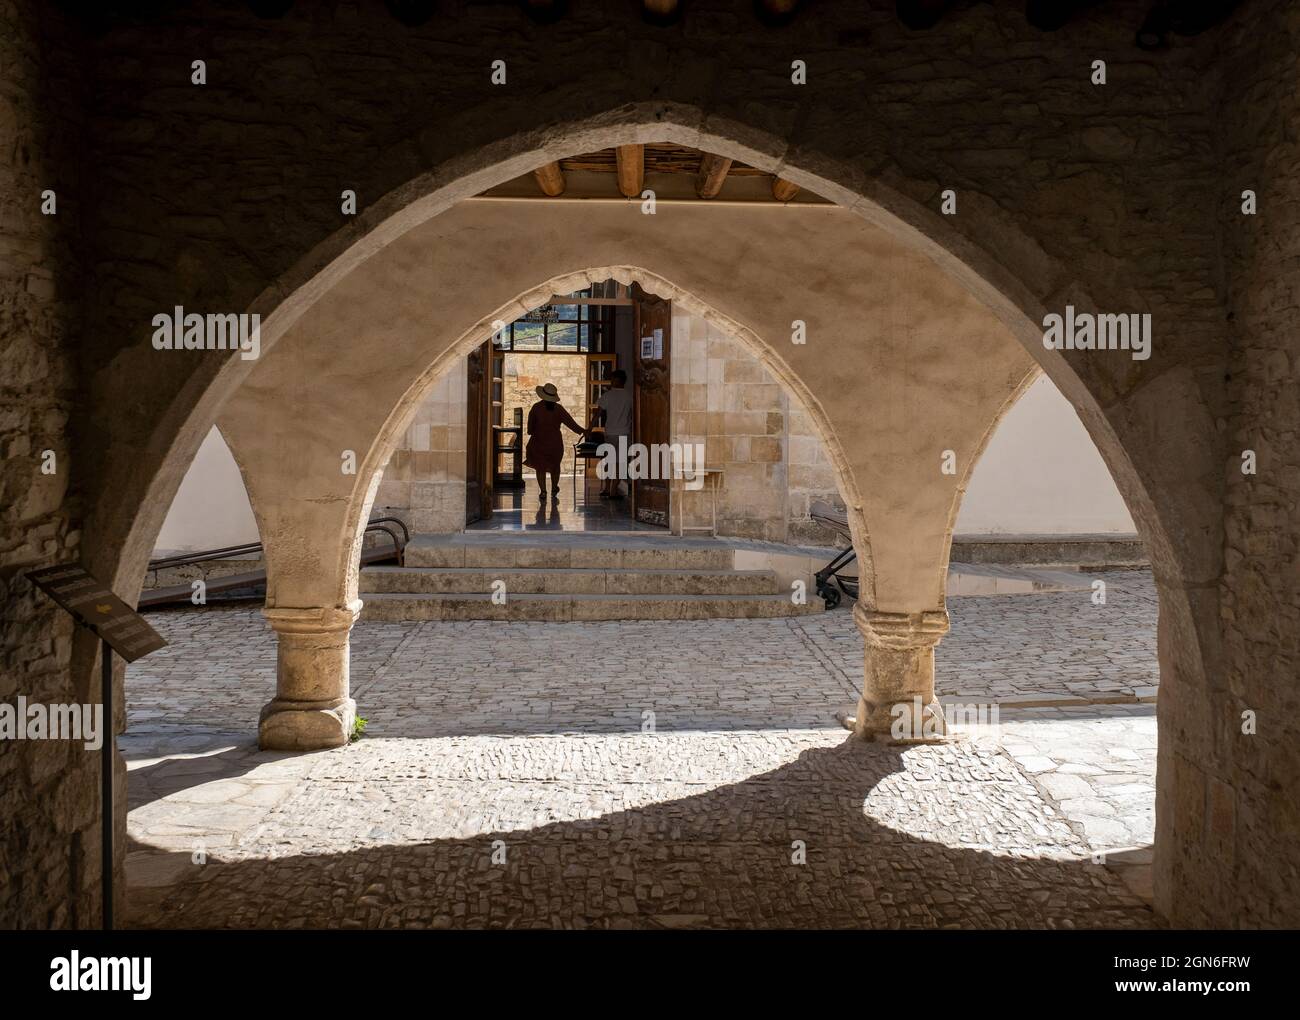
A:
(987, 252)
(1064, 197)
(764, 353)
(1018, 290)
(892, 403)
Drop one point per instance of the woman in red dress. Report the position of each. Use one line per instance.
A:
(546, 442)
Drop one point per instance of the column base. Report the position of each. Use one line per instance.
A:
(305, 725)
(898, 705)
(311, 710)
(902, 723)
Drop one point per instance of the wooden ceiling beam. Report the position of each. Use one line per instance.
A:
(783, 190)
(550, 178)
(712, 175)
(631, 169)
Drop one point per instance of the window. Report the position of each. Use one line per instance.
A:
(564, 329)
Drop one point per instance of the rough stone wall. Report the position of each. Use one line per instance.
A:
(1241, 812)
(49, 859)
(207, 196)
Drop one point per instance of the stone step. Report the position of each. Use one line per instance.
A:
(393, 607)
(567, 581)
(627, 552)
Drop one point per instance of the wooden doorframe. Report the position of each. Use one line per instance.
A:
(652, 402)
(479, 455)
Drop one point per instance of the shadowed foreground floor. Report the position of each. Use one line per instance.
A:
(933, 836)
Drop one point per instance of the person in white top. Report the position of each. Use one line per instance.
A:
(616, 412)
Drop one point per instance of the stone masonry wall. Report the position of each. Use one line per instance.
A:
(723, 398)
(1242, 812)
(49, 859)
(424, 481)
(811, 479)
(213, 196)
(774, 463)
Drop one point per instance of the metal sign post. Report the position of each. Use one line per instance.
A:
(119, 628)
(106, 784)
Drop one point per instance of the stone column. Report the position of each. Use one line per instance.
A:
(311, 709)
(899, 671)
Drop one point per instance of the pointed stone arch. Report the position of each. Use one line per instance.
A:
(1171, 478)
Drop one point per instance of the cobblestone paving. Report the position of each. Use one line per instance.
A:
(531, 735)
(1047, 647)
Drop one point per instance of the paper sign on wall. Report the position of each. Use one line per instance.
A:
(658, 345)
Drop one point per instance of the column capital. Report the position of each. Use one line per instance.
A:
(314, 619)
(901, 631)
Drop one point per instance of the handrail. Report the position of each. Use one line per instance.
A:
(206, 554)
(398, 547)
(248, 548)
(406, 534)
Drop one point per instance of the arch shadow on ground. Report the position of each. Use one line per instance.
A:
(717, 858)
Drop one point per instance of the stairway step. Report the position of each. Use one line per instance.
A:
(605, 554)
(582, 608)
(568, 581)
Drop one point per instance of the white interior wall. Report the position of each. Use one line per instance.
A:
(211, 509)
(1042, 475)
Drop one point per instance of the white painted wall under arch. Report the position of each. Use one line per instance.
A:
(211, 509)
(1041, 474)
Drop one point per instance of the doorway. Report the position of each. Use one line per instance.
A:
(576, 342)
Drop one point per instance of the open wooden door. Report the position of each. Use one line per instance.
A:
(653, 411)
(478, 455)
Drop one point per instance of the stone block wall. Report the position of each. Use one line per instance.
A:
(49, 789)
(811, 479)
(724, 398)
(424, 480)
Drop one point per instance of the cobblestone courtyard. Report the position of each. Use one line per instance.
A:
(665, 774)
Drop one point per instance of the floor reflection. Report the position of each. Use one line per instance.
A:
(579, 507)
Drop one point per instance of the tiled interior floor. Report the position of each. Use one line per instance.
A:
(583, 510)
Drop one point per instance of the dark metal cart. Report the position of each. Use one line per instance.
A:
(838, 521)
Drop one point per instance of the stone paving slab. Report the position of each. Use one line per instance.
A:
(1096, 763)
